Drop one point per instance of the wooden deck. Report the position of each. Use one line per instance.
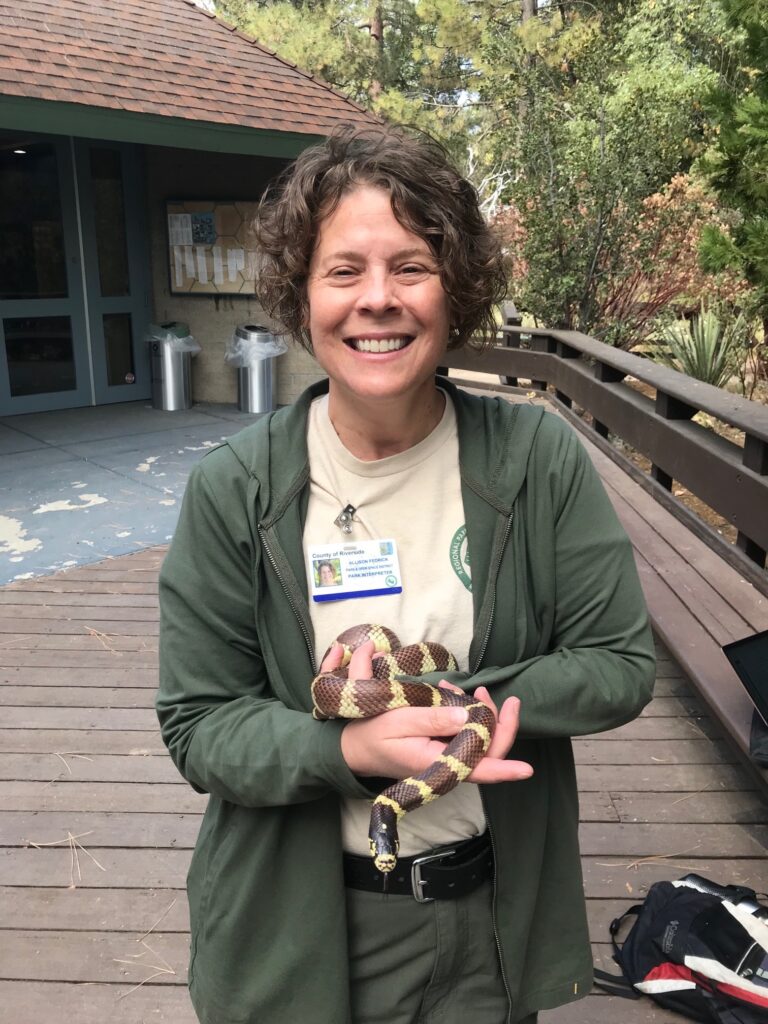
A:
(96, 827)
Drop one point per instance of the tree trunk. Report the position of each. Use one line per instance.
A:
(529, 9)
(377, 35)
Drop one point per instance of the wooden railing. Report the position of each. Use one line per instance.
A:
(731, 478)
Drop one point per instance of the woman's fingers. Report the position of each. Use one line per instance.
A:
(359, 664)
(401, 742)
(333, 658)
(495, 767)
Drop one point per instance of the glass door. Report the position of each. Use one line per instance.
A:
(116, 268)
(44, 360)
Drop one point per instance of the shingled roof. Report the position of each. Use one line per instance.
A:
(165, 59)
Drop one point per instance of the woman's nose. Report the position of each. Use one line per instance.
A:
(378, 293)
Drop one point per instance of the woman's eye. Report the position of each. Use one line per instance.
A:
(413, 268)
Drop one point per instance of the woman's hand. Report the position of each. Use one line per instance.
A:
(403, 742)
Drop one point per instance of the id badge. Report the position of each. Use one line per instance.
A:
(367, 568)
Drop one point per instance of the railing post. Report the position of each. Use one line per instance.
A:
(755, 457)
(669, 408)
(511, 319)
(565, 351)
(542, 344)
(606, 375)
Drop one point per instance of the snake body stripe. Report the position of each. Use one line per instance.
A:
(335, 695)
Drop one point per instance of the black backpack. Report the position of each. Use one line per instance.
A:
(698, 948)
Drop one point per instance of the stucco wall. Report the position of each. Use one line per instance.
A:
(184, 174)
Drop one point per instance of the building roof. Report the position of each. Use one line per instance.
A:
(164, 60)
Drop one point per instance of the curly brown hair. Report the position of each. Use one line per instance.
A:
(429, 197)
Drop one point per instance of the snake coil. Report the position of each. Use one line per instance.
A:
(335, 695)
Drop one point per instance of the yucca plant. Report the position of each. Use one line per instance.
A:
(704, 347)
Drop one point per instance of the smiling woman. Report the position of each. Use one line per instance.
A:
(385, 495)
(378, 320)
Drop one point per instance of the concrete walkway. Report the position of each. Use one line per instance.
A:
(81, 485)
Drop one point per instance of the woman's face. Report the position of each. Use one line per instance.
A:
(378, 314)
(326, 575)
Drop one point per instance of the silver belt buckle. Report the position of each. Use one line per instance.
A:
(417, 882)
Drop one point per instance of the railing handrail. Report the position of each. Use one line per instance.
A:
(737, 411)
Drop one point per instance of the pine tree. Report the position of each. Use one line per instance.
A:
(738, 162)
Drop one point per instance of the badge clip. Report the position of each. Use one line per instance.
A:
(344, 519)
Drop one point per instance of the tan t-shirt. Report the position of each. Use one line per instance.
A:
(415, 498)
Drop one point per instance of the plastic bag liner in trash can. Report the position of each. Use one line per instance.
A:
(171, 348)
(252, 349)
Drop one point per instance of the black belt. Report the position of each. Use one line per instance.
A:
(442, 874)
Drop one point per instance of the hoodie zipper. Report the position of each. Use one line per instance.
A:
(291, 602)
(478, 662)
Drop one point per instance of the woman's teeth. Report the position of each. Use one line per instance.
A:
(378, 344)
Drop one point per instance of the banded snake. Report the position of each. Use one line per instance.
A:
(336, 696)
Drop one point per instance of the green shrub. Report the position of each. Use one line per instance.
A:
(705, 347)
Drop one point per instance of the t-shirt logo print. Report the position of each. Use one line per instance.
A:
(459, 554)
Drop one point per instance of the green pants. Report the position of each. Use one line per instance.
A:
(425, 963)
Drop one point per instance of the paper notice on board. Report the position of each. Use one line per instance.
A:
(180, 229)
(218, 266)
(177, 267)
(202, 266)
(231, 267)
(235, 262)
(189, 261)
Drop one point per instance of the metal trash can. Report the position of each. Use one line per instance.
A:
(170, 352)
(254, 380)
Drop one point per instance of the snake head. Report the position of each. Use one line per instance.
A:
(384, 852)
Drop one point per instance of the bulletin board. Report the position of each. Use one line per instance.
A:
(211, 247)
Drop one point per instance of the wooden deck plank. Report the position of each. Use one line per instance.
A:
(610, 751)
(76, 627)
(103, 719)
(44, 741)
(87, 638)
(74, 600)
(35, 611)
(58, 585)
(94, 957)
(706, 808)
(67, 677)
(92, 910)
(43, 767)
(77, 697)
(618, 877)
(15, 656)
(668, 729)
(103, 829)
(138, 796)
(31, 1002)
(123, 868)
(661, 778)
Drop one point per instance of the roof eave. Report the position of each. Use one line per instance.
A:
(26, 114)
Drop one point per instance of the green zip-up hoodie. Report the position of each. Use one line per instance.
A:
(559, 622)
